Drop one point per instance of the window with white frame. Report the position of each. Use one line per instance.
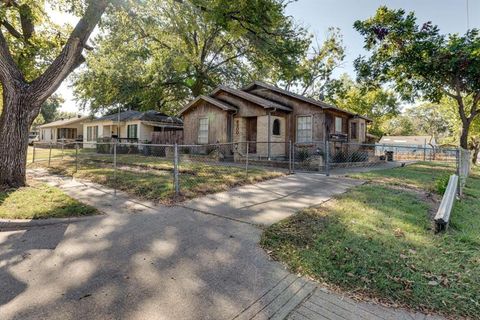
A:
(338, 125)
(203, 131)
(304, 128)
(132, 131)
(92, 133)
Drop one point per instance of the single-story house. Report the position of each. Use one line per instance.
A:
(128, 126)
(64, 129)
(268, 117)
(409, 141)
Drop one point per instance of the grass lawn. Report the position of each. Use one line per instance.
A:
(377, 242)
(38, 201)
(151, 178)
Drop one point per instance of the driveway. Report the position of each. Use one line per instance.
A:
(141, 261)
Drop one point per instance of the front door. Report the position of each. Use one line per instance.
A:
(252, 134)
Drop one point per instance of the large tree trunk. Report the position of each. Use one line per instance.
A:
(15, 122)
(464, 134)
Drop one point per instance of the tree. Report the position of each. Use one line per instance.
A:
(49, 109)
(24, 49)
(399, 126)
(429, 119)
(377, 103)
(421, 62)
(313, 75)
(161, 53)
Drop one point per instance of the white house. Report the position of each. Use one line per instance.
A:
(63, 129)
(409, 141)
(131, 126)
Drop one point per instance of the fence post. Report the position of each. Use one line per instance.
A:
(49, 153)
(327, 158)
(76, 157)
(63, 144)
(246, 162)
(33, 156)
(176, 182)
(114, 167)
(290, 156)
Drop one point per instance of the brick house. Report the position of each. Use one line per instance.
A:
(268, 118)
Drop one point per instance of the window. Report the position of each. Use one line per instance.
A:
(203, 131)
(276, 127)
(132, 131)
(92, 133)
(353, 130)
(338, 125)
(304, 129)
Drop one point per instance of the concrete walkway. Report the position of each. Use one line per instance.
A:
(145, 261)
(273, 200)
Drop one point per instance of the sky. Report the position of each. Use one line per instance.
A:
(319, 15)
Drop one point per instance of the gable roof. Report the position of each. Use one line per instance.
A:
(317, 103)
(63, 122)
(151, 115)
(267, 104)
(218, 103)
(407, 140)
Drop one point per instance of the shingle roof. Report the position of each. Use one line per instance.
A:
(268, 104)
(318, 103)
(63, 122)
(220, 104)
(150, 115)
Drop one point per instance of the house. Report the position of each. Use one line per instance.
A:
(409, 141)
(129, 126)
(268, 118)
(62, 130)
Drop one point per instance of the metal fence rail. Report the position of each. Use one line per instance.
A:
(189, 170)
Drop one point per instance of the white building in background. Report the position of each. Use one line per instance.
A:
(409, 141)
(64, 129)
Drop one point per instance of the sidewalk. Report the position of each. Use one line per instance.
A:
(200, 260)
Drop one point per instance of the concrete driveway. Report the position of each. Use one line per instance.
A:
(141, 261)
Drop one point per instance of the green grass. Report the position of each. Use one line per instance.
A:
(421, 175)
(38, 201)
(377, 241)
(151, 178)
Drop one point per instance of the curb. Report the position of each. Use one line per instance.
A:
(29, 223)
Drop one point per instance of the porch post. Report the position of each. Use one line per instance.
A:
(269, 135)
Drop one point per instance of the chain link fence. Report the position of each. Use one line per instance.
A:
(169, 171)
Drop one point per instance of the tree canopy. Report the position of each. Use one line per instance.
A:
(377, 103)
(159, 53)
(420, 62)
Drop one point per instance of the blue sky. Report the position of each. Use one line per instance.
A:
(319, 15)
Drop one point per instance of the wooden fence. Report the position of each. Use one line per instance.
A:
(167, 137)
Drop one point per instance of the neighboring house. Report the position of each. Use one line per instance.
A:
(269, 117)
(409, 141)
(131, 126)
(64, 129)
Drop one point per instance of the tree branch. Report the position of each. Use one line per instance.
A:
(9, 71)
(70, 57)
(12, 30)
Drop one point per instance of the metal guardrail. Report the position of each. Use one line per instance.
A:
(442, 218)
